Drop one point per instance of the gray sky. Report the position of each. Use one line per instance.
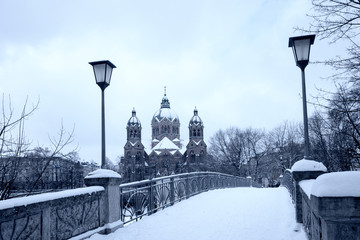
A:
(228, 58)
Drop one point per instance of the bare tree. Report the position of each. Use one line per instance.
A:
(339, 20)
(227, 148)
(336, 132)
(286, 142)
(14, 146)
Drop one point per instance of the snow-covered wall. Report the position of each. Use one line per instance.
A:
(326, 203)
(58, 215)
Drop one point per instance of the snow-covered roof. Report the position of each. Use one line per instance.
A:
(182, 151)
(134, 121)
(176, 140)
(133, 144)
(155, 140)
(165, 143)
(196, 120)
(308, 165)
(173, 152)
(167, 113)
(337, 184)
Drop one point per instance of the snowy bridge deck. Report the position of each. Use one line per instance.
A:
(237, 213)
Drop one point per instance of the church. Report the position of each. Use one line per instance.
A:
(167, 155)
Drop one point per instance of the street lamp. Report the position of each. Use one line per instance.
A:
(301, 50)
(102, 72)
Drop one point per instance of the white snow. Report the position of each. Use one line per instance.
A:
(103, 173)
(24, 201)
(308, 165)
(306, 185)
(337, 184)
(239, 213)
(173, 152)
(167, 113)
(165, 143)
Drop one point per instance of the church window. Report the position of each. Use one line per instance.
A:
(198, 132)
(138, 157)
(192, 157)
(194, 133)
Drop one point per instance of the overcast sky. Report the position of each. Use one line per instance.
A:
(230, 59)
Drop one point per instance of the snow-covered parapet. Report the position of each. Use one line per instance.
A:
(308, 165)
(337, 184)
(103, 173)
(45, 197)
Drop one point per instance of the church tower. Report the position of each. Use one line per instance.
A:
(134, 153)
(165, 123)
(196, 148)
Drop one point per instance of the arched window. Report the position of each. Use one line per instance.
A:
(138, 158)
(194, 133)
(192, 157)
(199, 133)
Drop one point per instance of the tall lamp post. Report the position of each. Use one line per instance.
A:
(102, 72)
(301, 50)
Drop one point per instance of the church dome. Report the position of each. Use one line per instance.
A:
(196, 120)
(165, 112)
(134, 121)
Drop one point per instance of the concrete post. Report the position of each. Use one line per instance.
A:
(111, 210)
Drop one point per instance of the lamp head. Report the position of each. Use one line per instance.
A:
(301, 49)
(102, 72)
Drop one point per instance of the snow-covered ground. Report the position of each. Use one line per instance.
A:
(238, 213)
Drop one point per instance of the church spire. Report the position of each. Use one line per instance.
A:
(165, 101)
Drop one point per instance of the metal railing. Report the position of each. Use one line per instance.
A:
(288, 182)
(149, 196)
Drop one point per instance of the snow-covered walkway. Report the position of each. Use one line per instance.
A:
(240, 213)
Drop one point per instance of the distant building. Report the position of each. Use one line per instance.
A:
(42, 173)
(166, 155)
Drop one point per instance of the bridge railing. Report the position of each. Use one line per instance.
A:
(288, 182)
(147, 197)
(104, 206)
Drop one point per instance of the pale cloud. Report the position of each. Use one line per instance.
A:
(230, 59)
